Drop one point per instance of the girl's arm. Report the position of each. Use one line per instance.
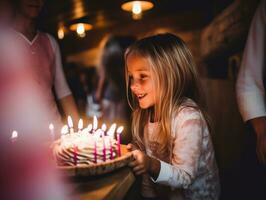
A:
(186, 152)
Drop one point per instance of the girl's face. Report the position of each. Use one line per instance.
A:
(141, 83)
(31, 8)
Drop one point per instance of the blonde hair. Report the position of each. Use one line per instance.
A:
(175, 78)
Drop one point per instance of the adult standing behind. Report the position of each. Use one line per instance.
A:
(31, 68)
(252, 105)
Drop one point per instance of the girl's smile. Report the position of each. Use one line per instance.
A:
(140, 80)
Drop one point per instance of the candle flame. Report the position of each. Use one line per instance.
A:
(64, 130)
(80, 124)
(95, 123)
(51, 126)
(70, 122)
(14, 135)
(120, 129)
(104, 127)
(111, 130)
(89, 127)
(98, 133)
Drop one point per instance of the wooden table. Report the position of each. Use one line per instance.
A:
(110, 186)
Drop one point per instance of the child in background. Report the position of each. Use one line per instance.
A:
(111, 92)
(171, 137)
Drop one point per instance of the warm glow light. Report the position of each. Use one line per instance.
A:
(137, 7)
(69, 122)
(95, 123)
(14, 135)
(80, 124)
(104, 127)
(89, 127)
(81, 28)
(61, 33)
(51, 126)
(111, 130)
(64, 130)
(120, 129)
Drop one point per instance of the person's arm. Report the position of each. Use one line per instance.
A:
(259, 126)
(69, 107)
(186, 152)
(62, 90)
(250, 89)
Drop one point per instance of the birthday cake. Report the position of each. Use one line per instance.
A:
(81, 149)
(88, 146)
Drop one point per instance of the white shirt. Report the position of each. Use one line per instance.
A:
(249, 87)
(191, 171)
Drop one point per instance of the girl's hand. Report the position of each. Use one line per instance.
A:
(141, 163)
(131, 147)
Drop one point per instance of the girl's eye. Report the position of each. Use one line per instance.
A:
(130, 77)
(143, 77)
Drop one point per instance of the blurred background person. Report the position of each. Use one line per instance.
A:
(31, 69)
(111, 89)
(251, 86)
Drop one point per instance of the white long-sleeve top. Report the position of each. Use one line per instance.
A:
(249, 87)
(191, 171)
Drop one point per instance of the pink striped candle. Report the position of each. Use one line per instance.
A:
(75, 155)
(95, 151)
(104, 148)
(111, 149)
(118, 137)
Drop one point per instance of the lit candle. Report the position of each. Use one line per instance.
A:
(111, 130)
(95, 150)
(103, 137)
(14, 136)
(80, 126)
(104, 147)
(111, 133)
(104, 128)
(111, 148)
(64, 131)
(118, 137)
(70, 124)
(75, 148)
(95, 124)
(89, 128)
(51, 128)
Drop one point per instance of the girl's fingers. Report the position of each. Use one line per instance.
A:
(133, 163)
(129, 147)
(138, 168)
(140, 172)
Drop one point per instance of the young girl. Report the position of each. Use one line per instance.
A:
(172, 144)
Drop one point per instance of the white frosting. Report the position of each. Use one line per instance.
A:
(84, 145)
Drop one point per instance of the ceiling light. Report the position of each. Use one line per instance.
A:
(61, 33)
(137, 7)
(81, 28)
